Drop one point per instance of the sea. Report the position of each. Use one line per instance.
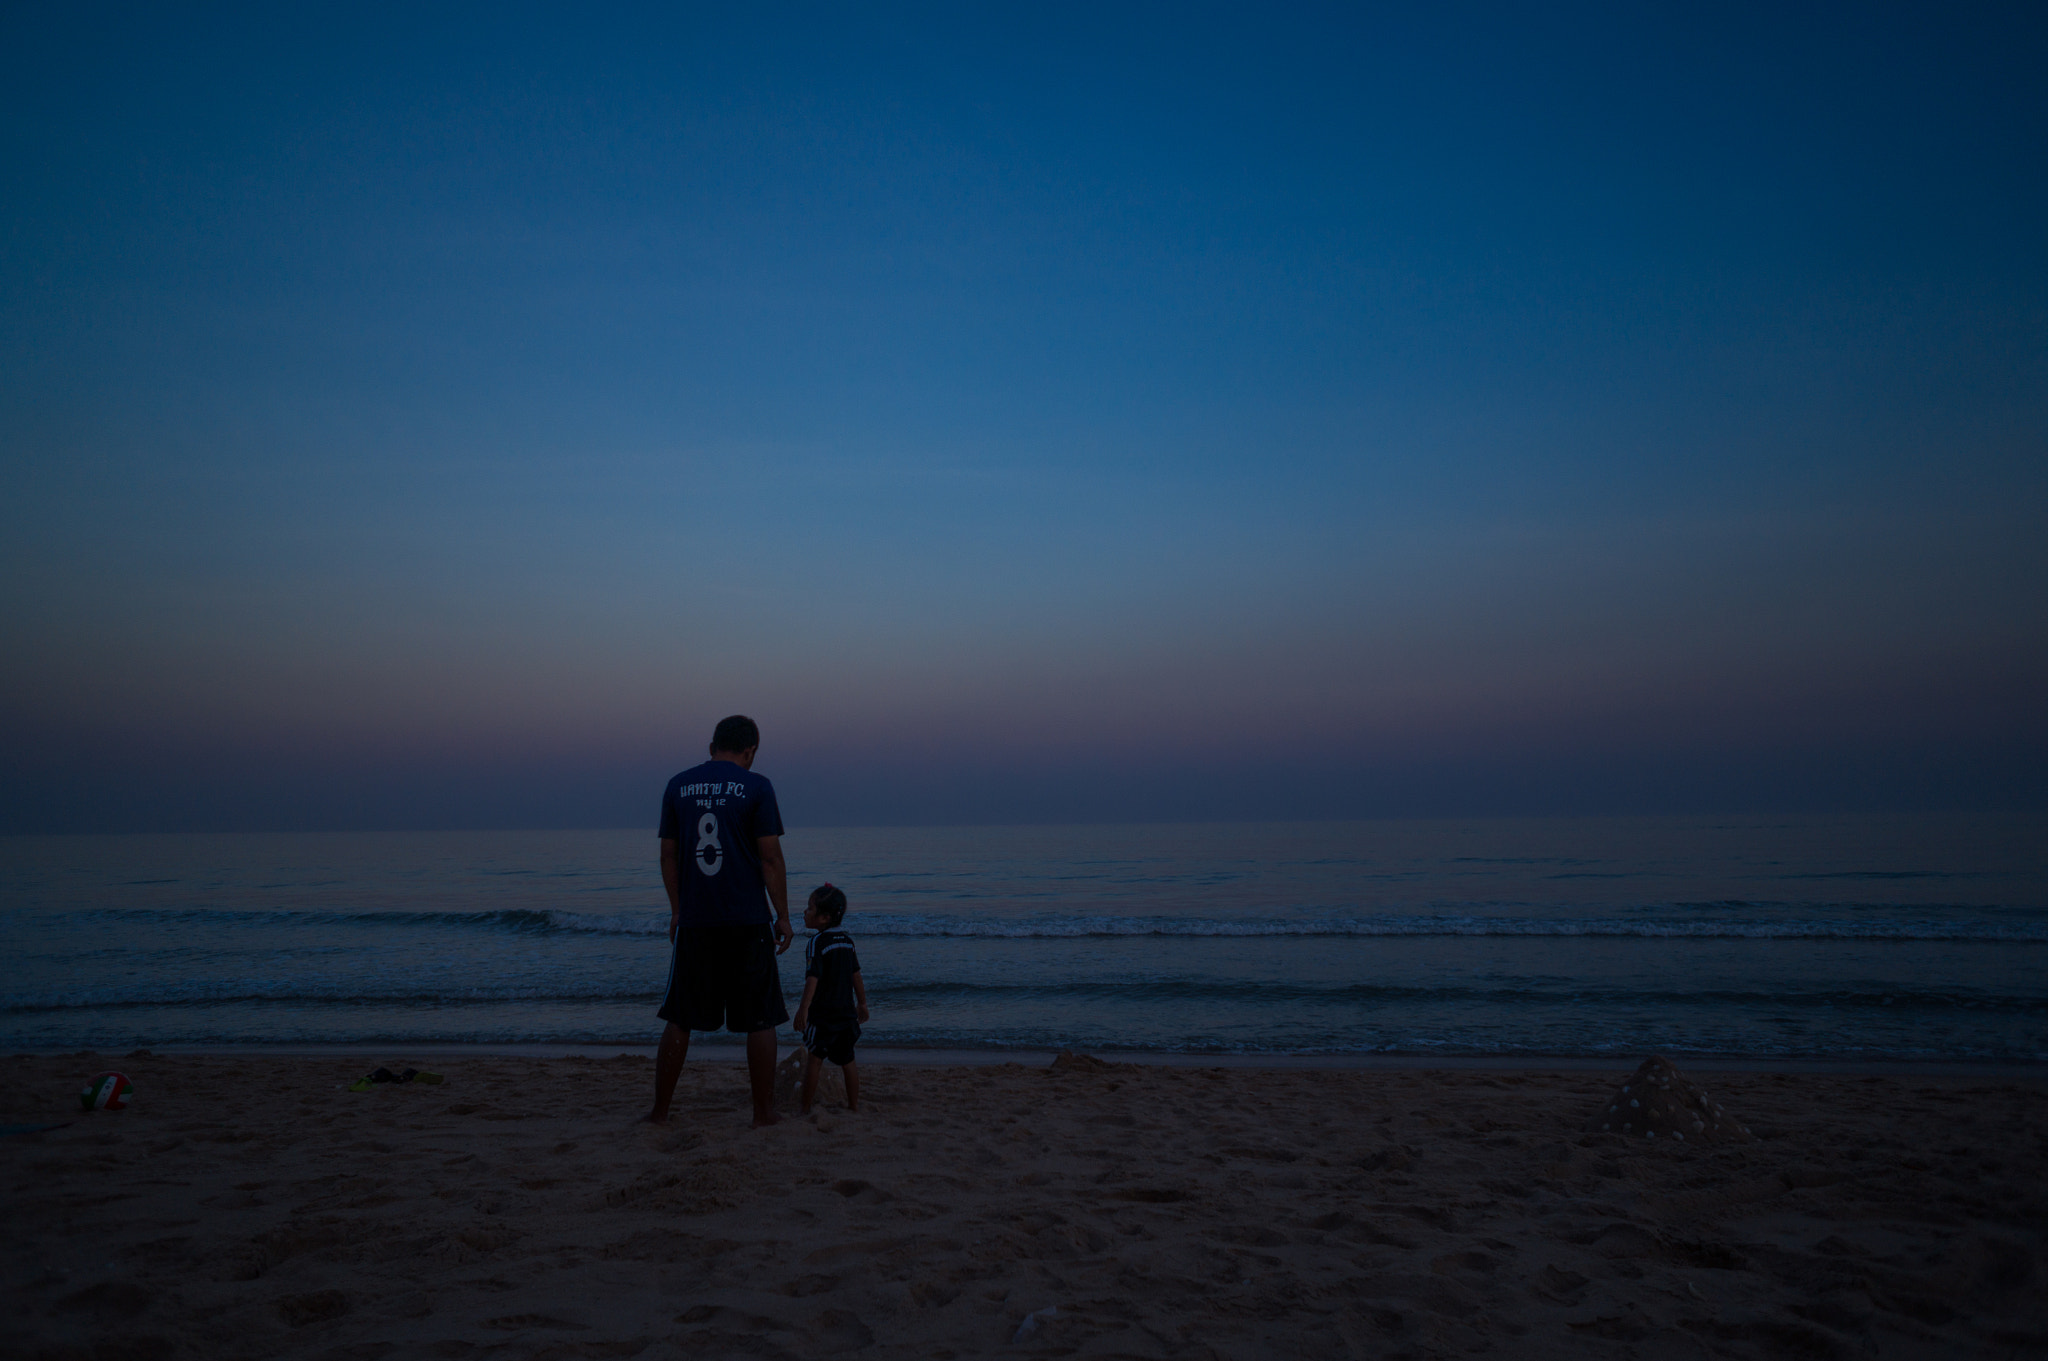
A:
(1845, 939)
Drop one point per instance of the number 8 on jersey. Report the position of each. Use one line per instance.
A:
(708, 858)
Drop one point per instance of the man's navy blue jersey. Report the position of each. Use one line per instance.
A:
(830, 959)
(713, 813)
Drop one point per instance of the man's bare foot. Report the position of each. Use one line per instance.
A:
(652, 1119)
(771, 1118)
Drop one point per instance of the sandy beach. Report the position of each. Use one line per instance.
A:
(252, 1207)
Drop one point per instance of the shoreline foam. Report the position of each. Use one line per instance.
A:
(719, 1049)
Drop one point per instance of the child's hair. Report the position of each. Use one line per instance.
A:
(830, 902)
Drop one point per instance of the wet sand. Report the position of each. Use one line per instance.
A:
(251, 1207)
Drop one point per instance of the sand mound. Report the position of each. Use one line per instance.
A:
(789, 1081)
(1657, 1103)
(1070, 1062)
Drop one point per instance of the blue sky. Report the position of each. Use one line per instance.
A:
(442, 419)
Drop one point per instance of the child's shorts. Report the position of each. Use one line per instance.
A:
(832, 1041)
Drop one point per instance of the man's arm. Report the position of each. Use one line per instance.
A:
(672, 880)
(775, 875)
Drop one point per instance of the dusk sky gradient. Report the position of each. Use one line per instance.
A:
(441, 417)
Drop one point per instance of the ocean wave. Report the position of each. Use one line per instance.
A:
(1378, 927)
(2024, 929)
(309, 996)
(533, 921)
(1417, 1048)
(1183, 991)
(1270, 992)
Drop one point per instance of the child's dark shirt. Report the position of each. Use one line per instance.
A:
(830, 959)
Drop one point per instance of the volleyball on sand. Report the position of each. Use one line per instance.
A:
(107, 1092)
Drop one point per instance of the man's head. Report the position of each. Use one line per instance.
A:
(735, 738)
(826, 909)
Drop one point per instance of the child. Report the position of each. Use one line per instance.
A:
(835, 1000)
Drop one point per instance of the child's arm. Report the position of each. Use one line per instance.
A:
(860, 997)
(803, 1008)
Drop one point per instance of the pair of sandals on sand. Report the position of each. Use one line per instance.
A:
(363, 1084)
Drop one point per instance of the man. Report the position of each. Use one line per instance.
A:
(721, 855)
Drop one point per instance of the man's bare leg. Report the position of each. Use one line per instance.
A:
(851, 1072)
(761, 1074)
(812, 1063)
(668, 1066)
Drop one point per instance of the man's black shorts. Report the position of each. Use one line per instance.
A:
(724, 976)
(832, 1041)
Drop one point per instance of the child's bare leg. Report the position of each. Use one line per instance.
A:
(852, 1075)
(812, 1063)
